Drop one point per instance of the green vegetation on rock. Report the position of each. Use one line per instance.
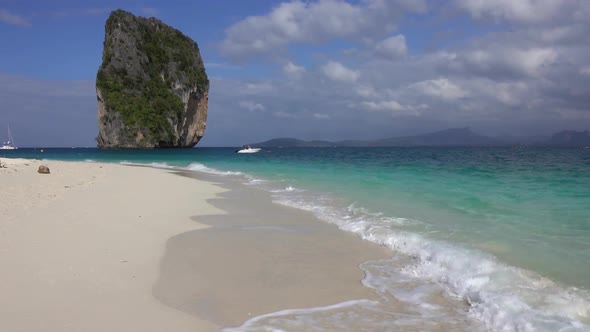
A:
(147, 66)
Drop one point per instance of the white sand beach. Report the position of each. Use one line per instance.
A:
(107, 247)
(80, 247)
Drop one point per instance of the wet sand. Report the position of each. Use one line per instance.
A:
(260, 258)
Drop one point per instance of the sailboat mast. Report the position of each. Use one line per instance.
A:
(10, 139)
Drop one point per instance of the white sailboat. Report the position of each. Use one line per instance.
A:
(9, 145)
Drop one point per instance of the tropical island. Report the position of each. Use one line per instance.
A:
(374, 218)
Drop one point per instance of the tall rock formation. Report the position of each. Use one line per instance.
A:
(151, 87)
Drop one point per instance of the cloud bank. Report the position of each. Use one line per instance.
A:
(526, 73)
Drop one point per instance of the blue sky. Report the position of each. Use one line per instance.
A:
(319, 69)
(62, 40)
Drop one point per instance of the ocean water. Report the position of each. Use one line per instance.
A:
(494, 239)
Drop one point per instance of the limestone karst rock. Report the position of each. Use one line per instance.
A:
(151, 87)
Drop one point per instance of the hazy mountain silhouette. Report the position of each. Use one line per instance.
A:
(569, 138)
(447, 137)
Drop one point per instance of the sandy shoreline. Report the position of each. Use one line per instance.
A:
(92, 247)
(267, 258)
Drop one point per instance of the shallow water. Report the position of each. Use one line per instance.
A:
(503, 232)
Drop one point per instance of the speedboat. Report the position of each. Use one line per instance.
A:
(248, 149)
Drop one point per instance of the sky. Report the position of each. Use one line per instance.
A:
(317, 69)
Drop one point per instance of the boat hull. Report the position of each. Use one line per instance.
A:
(248, 150)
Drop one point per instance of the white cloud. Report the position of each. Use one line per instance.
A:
(259, 88)
(338, 72)
(321, 116)
(251, 106)
(524, 11)
(312, 22)
(289, 22)
(383, 106)
(293, 71)
(585, 70)
(555, 34)
(506, 60)
(511, 94)
(282, 114)
(366, 91)
(11, 18)
(416, 6)
(440, 88)
(392, 48)
(532, 60)
(394, 107)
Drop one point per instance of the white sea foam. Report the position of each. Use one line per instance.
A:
(196, 167)
(503, 297)
(355, 211)
(154, 165)
(202, 168)
(254, 181)
(258, 323)
(286, 190)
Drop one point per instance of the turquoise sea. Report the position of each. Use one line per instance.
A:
(504, 231)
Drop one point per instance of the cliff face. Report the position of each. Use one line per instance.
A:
(151, 87)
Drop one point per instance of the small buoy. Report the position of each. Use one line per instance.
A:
(42, 151)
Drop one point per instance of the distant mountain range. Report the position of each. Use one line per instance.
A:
(570, 138)
(447, 137)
